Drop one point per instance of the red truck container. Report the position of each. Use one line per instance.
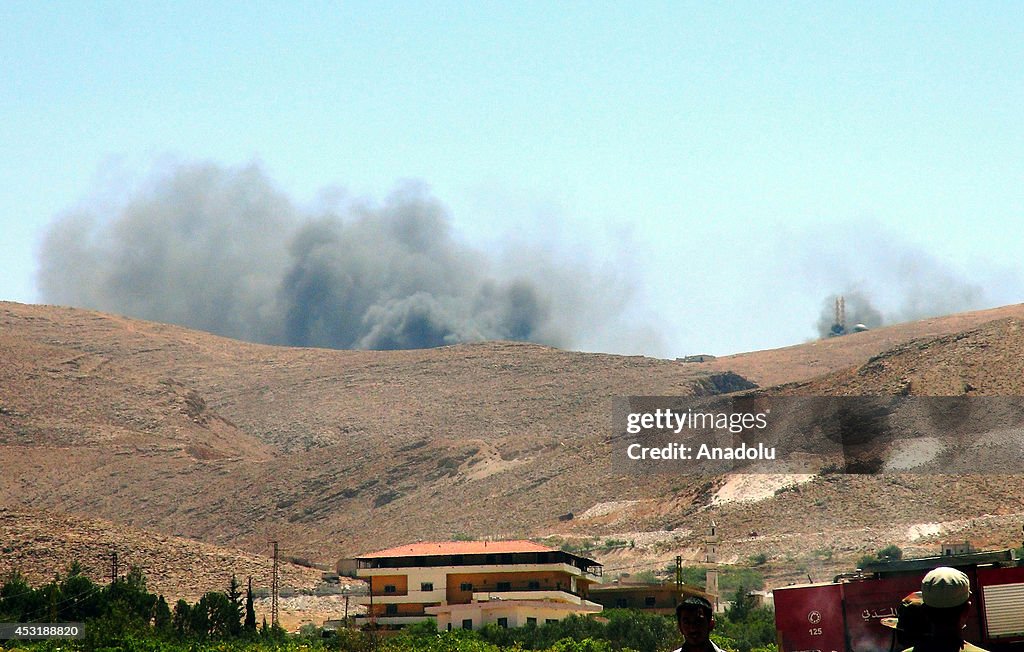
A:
(845, 615)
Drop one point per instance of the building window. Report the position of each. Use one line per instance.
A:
(466, 586)
(467, 623)
(389, 588)
(622, 603)
(391, 610)
(503, 622)
(649, 601)
(449, 627)
(549, 621)
(426, 586)
(534, 585)
(504, 586)
(531, 621)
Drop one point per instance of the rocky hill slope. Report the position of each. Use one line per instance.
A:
(339, 452)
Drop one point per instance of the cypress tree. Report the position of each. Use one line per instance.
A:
(250, 610)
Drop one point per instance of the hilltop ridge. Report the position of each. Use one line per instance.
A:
(336, 453)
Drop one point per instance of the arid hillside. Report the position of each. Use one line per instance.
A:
(818, 357)
(39, 544)
(333, 453)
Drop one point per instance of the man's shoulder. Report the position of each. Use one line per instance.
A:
(966, 647)
(714, 648)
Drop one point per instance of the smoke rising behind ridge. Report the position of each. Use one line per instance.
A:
(885, 279)
(223, 250)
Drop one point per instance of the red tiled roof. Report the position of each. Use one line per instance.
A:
(426, 549)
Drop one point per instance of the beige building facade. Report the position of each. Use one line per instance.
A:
(467, 584)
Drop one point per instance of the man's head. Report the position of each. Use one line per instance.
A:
(695, 620)
(946, 593)
(945, 587)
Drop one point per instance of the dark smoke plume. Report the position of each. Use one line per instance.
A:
(224, 251)
(886, 280)
(858, 311)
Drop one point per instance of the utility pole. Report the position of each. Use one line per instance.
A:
(274, 589)
(679, 573)
(113, 566)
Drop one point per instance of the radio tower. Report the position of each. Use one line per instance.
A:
(839, 323)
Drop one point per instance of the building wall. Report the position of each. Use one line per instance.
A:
(445, 586)
(402, 609)
(665, 598)
(516, 614)
(400, 582)
(519, 581)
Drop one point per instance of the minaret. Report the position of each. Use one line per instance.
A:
(711, 559)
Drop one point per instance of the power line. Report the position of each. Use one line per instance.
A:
(43, 609)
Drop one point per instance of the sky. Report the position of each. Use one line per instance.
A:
(672, 178)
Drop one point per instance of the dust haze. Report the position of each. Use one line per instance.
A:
(225, 251)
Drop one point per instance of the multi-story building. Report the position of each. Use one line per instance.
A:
(468, 584)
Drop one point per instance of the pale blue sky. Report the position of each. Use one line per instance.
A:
(742, 160)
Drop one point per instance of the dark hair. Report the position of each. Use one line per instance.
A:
(695, 604)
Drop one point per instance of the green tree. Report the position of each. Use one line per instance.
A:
(199, 619)
(890, 552)
(181, 619)
(234, 617)
(250, 610)
(18, 599)
(82, 598)
(215, 616)
(742, 604)
(161, 616)
(580, 645)
(755, 630)
(639, 630)
(128, 598)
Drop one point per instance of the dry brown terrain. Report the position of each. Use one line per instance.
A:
(40, 545)
(818, 357)
(333, 453)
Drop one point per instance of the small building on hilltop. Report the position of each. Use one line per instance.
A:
(468, 584)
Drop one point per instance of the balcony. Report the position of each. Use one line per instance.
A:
(553, 595)
(390, 620)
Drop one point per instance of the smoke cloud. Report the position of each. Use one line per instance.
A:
(886, 280)
(859, 310)
(223, 250)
